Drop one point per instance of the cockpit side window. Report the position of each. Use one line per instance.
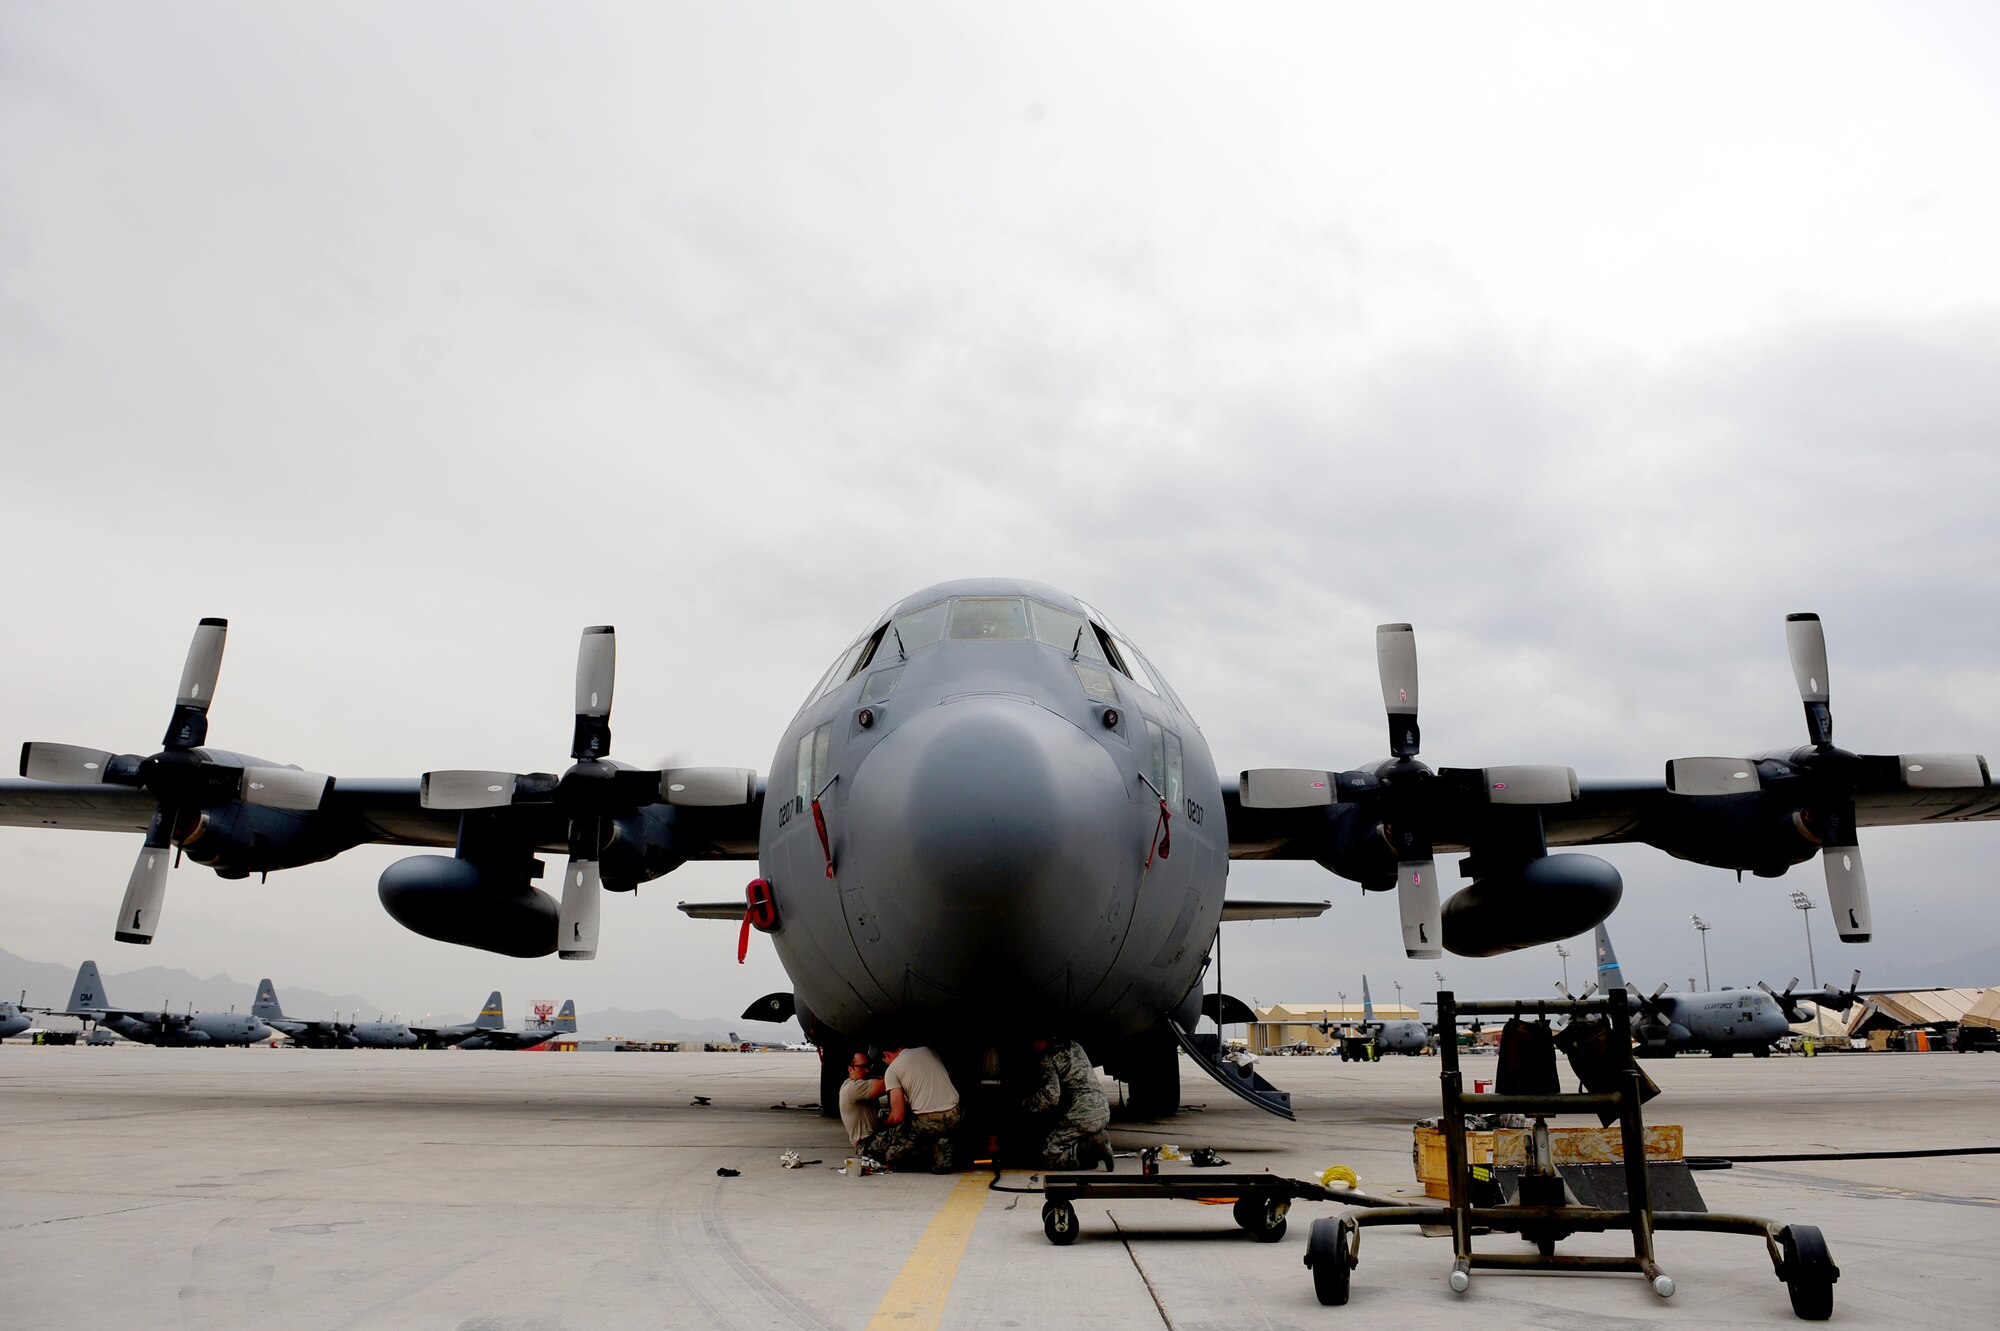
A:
(881, 684)
(868, 652)
(1164, 689)
(989, 617)
(919, 628)
(1065, 631)
(814, 762)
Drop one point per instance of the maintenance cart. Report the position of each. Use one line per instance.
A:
(1258, 1201)
(1543, 1212)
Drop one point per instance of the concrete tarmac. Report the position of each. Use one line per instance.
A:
(308, 1190)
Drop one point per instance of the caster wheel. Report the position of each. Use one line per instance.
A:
(1264, 1217)
(1327, 1253)
(1459, 1282)
(1809, 1272)
(1059, 1223)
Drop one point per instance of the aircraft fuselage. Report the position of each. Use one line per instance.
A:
(1019, 835)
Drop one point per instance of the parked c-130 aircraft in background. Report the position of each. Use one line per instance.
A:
(994, 818)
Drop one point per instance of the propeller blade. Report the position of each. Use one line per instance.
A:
(1847, 892)
(1790, 985)
(1396, 664)
(1655, 997)
(596, 672)
(1711, 776)
(284, 787)
(467, 790)
(1940, 771)
(1805, 641)
(1417, 900)
(581, 900)
(1769, 990)
(189, 726)
(1530, 784)
(65, 763)
(146, 889)
(1286, 788)
(708, 787)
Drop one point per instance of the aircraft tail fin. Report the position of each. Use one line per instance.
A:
(87, 994)
(1609, 976)
(566, 1019)
(1367, 1003)
(491, 1018)
(266, 1002)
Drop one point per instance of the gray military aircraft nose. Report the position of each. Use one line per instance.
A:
(979, 844)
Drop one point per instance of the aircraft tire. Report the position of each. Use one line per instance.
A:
(1153, 1081)
(833, 1055)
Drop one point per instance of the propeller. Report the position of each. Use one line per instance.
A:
(183, 778)
(1829, 779)
(1404, 795)
(595, 790)
(1827, 996)
(1786, 1005)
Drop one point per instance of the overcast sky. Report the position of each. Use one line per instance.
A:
(414, 338)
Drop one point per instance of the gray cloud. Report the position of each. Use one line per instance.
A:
(415, 346)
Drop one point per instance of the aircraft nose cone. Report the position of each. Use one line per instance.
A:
(995, 833)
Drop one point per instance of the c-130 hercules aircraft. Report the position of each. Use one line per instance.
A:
(993, 818)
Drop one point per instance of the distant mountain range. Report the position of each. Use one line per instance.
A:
(48, 985)
(1974, 970)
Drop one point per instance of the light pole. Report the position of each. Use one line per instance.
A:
(1704, 926)
(1804, 904)
(1563, 952)
(1399, 992)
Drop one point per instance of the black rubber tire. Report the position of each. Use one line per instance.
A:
(833, 1056)
(1722, 1053)
(1326, 1254)
(1263, 1217)
(1765, 1052)
(1809, 1271)
(1153, 1079)
(1059, 1223)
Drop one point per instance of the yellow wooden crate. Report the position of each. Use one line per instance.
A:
(1509, 1146)
(1427, 1154)
(1586, 1146)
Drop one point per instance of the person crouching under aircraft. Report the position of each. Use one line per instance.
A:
(923, 1113)
(1065, 1095)
(857, 1099)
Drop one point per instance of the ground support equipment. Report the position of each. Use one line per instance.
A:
(1259, 1200)
(1798, 1252)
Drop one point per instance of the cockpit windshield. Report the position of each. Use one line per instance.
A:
(1086, 637)
(985, 617)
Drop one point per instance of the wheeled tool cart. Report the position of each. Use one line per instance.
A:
(1543, 1209)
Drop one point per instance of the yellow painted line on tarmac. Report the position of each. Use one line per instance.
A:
(916, 1299)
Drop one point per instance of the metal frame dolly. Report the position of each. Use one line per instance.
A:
(1798, 1252)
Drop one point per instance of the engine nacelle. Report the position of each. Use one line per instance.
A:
(1764, 834)
(1544, 900)
(237, 839)
(639, 847)
(471, 904)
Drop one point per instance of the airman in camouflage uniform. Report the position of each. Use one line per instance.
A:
(1064, 1094)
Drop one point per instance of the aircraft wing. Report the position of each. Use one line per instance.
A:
(85, 808)
(1605, 811)
(1235, 908)
(383, 811)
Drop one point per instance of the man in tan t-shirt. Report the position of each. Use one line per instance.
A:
(923, 1112)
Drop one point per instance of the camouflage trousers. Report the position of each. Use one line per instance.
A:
(1071, 1146)
(915, 1143)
